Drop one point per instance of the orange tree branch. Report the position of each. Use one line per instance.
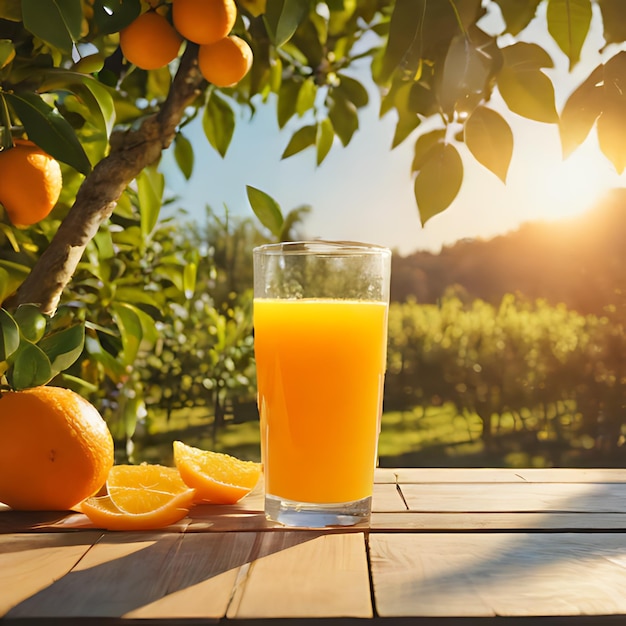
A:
(97, 197)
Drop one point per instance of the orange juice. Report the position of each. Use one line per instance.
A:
(320, 372)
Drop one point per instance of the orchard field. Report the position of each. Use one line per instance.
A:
(517, 382)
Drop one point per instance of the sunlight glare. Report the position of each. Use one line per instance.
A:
(560, 189)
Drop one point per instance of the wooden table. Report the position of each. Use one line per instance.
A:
(444, 546)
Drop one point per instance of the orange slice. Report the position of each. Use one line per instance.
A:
(135, 488)
(103, 513)
(217, 478)
(140, 497)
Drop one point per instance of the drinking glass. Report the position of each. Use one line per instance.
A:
(320, 336)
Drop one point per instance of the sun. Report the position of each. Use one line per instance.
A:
(559, 188)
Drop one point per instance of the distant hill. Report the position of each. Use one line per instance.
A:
(578, 261)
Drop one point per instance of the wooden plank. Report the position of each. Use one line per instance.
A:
(248, 515)
(202, 577)
(31, 563)
(304, 574)
(122, 572)
(489, 522)
(387, 497)
(504, 574)
(517, 497)
(498, 475)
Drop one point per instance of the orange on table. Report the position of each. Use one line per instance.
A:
(156, 511)
(55, 449)
(217, 478)
(225, 62)
(150, 41)
(30, 183)
(204, 21)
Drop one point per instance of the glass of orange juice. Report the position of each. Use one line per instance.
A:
(320, 337)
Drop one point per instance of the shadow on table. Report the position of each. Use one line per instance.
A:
(125, 572)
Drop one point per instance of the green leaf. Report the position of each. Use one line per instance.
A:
(466, 71)
(340, 13)
(404, 33)
(63, 347)
(134, 295)
(5, 289)
(49, 130)
(408, 120)
(352, 90)
(266, 209)
(104, 243)
(114, 368)
(522, 56)
(113, 15)
(613, 20)
(526, 90)
(423, 146)
(490, 139)
(306, 97)
(31, 321)
(16, 272)
(282, 18)
(218, 123)
(150, 186)
(57, 23)
(287, 101)
(7, 52)
(131, 334)
(517, 14)
(90, 63)
(11, 10)
(183, 154)
(190, 273)
(324, 138)
(611, 124)
(97, 98)
(303, 138)
(343, 115)
(568, 23)
(30, 367)
(580, 112)
(407, 123)
(310, 39)
(422, 99)
(438, 181)
(149, 332)
(9, 335)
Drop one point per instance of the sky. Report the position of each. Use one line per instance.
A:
(364, 192)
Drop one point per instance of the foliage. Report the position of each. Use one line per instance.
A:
(35, 348)
(525, 359)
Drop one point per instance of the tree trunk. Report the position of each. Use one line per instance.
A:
(131, 151)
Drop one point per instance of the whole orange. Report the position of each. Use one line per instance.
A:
(225, 62)
(150, 41)
(204, 21)
(55, 449)
(30, 183)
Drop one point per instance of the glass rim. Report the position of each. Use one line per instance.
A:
(321, 246)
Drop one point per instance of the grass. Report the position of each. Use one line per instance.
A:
(412, 431)
(153, 443)
(414, 436)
